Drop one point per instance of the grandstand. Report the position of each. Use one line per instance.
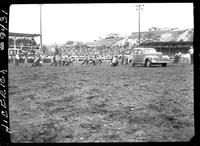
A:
(169, 48)
(22, 42)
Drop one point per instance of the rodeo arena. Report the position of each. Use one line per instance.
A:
(179, 52)
(109, 90)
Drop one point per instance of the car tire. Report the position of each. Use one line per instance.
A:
(164, 64)
(147, 63)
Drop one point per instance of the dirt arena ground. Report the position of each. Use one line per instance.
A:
(101, 103)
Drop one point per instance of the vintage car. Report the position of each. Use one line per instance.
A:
(147, 57)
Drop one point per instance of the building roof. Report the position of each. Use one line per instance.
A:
(22, 34)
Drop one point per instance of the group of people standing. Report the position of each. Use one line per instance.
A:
(122, 59)
(62, 61)
(179, 56)
(114, 61)
(16, 59)
(66, 61)
(37, 61)
(92, 61)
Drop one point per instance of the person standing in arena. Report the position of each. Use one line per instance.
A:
(34, 61)
(114, 61)
(17, 59)
(60, 60)
(63, 60)
(191, 51)
(122, 58)
(176, 57)
(39, 61)
(85, 61)
(25, 59)
(54, 61)
(57, 60)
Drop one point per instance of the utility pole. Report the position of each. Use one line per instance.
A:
(40, 25)
(138, 8)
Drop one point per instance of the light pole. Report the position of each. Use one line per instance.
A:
(138, 8)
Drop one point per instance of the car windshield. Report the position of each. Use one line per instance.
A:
(149, 51)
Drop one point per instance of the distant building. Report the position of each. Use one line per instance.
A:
(154, 29)
(112, 35)
(158, 29)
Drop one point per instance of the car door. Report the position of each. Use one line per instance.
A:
(134, 55)
(139, 56)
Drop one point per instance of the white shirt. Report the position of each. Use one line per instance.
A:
(179, 53)
(191, 51)
(114, 60)
(17, 56)
(57, 58)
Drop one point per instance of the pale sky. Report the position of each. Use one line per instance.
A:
(88, 22)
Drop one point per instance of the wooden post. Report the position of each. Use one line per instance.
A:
(14, 42)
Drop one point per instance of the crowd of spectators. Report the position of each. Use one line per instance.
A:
(103, 50)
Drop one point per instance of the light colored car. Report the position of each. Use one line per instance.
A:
(148, 57)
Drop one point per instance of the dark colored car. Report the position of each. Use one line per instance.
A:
(147, 57)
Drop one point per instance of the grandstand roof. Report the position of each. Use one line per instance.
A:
(23, 34)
